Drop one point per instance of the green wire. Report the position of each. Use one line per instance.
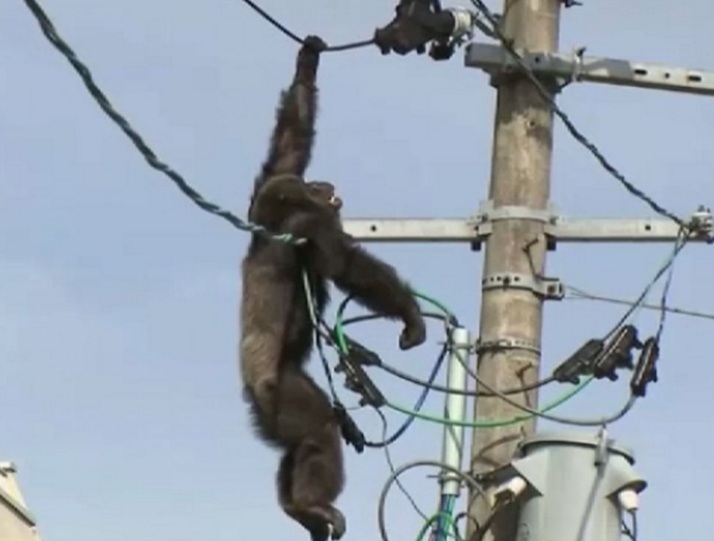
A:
(340, 331)
(429, 523)
(497, 423)
(342, 344)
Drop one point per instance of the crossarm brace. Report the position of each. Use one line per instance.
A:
(495, 60)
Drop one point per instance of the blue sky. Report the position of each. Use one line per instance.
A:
(118, 297)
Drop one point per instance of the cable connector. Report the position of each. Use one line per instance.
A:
(419, 22)
(463, 27)
(362, 354)
(702, 223)
(351, 433)
(646, 369)
(616, 354)
(579, 363)
(356, 379)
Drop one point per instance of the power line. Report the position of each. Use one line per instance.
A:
(579, 137)
(582, 295)
(50, 32)
(292, 35)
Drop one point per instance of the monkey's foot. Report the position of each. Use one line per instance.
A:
(331, 524)
(338, 524)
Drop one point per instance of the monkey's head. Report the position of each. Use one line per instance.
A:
(325, 193)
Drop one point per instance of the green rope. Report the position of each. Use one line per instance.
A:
(498, 422)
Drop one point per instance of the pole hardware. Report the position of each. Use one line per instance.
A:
(547, 288)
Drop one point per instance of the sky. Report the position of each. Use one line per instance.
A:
(118, 297)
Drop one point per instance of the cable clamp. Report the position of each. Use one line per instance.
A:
(547, 288)
(489, 213)
(577, 73)
(701, 223)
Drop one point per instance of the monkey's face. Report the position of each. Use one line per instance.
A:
(325, 193)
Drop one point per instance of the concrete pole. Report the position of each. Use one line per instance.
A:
(520, 176)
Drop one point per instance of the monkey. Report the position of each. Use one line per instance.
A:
(289, 410)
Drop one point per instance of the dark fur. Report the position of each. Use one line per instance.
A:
(289, 410)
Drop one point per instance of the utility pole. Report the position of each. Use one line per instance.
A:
(511, 314)
(517, 222)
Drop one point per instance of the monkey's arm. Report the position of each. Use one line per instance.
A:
(292, 138)
(374, 283)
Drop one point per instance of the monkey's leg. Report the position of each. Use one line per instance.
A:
(317, 479)
(319, 530)
(260, 356)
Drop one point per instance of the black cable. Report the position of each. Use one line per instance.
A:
(436, 387)
(417, 406)
(326, 366)
(442, 389)
(480, 533)
(668, 265)
(289, 33)
(149, 155)
(392, 469)
(548, 98)
(468, 479)
(630, 532)
(678, 246)
(582, 295)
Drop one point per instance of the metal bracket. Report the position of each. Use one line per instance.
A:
(495, 60)
(489, 213)
(507, 343)
(548, 288)
(562, 230)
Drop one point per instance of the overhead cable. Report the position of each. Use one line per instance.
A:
(548, 98)
(289, 33)
(50, 32)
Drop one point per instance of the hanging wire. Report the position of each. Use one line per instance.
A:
(50, 32)
(392, 468)
(570, 126)
(289, 33)
(580, 294)
(429, 383)
(381, 505)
